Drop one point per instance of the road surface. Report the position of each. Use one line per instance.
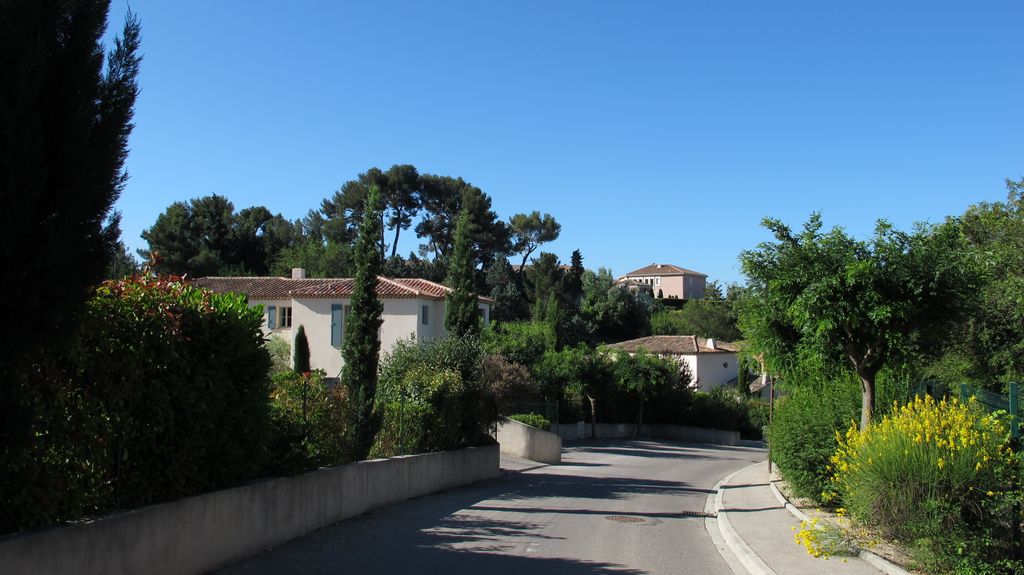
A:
(611, 507)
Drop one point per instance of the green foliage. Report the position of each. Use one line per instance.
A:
(164, 377)
(205, 236)
(509, 384)
(803, 435)
(461, 317)
(532, 419)
(644, 375)
(938, 474)
(361, 344)
(860, 304)
(280, 354)
(505, 287)
(433, 400)
(617, 314)
(521, 342)
(725, 408)
(529, 231)
(65, 129)
(443, 377)
(701, 317)
(443, 199)
(310, 422)
(301, 360)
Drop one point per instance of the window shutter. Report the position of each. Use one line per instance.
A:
(271, 317)
(336, 325)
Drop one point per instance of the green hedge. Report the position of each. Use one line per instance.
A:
(532, 419)
(164, 396)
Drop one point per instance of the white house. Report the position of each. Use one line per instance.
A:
(710, 363)
(413, 308)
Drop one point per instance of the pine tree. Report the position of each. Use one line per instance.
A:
(361, 346)
(460, 314)
(300, 362)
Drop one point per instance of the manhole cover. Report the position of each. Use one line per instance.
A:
(625, 518)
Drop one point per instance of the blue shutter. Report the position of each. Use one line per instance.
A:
(271, 317)
(336, 325)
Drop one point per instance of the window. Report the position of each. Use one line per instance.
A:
(271, 317)
(286, 317)
(426, 315)
(337, 325)
(657, 281)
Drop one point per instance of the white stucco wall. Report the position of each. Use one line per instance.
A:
(315, 316)
(284, 332)
(715, 369)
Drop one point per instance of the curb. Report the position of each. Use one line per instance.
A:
(750, 560)
(874, 559)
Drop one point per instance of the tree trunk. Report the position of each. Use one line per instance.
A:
(398, 231)
(867, 408)
(593, 417)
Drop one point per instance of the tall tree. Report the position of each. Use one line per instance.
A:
(529, 231)
(300, 359)
(401, 199)
(361, 345)
(64, 130)
(443, 199)
(864, 304)
(509, 301)
(460, 314)
(544, 280)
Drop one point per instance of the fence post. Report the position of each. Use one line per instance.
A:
(1014, 419)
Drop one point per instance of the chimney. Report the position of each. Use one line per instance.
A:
(298, 273)
(659, 266)
(711, 344)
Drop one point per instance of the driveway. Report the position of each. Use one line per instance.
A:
(610, 507)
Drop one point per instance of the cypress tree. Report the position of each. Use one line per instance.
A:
(460, 314)
(64, 130)
(300, 363)
(361, 346)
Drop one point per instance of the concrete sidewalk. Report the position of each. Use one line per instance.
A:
(760, 530)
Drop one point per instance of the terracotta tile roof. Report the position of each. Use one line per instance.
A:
(674, 345)
(262, 288)
(663, 270)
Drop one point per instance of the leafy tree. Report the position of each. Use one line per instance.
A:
(460, 314)
(530, 231)
(542, 282)
(644, 375)
(443, 199)
(866, 304)
(361, 346)
(990, 350)
(65, 125)
(509, 301)
(301, 360)
(617, 313)
(123, 263)
(701, 317)
(401, 199)
(577, 373)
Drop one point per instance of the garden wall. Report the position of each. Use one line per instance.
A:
(200, 533)
(520, 440)
(580, 430)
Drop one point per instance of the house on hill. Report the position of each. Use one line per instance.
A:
(413, 307)
(670, 280)
(710, 363)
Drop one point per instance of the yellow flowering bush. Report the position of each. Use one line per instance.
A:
(824, 540)
(928, 471)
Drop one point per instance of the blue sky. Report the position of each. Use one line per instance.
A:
(653, 131)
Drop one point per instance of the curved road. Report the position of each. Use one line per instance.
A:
(611, 507)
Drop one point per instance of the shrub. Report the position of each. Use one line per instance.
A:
(442, 376)
(310, 422)
(521, 342)
(937, 473)
(280, 352)
(165, 396)
(802, 436)
(508, 383)
(532, 419)
(726, 408)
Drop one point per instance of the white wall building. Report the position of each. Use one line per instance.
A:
(413, 308)
(710, 363)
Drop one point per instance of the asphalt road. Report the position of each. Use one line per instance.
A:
(611, 507)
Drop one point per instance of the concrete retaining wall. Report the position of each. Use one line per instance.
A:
(520, 440)
(580, 430)
(200, 533)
